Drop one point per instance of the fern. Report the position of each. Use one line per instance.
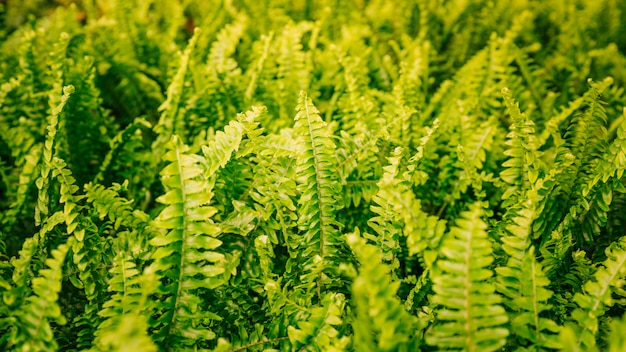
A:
(521, 169)
(33, 322)
(185, 253)
(320, 242)
(165, 187)
(318, 332)
(126, 308)
(43, 181)
(471, 317)
(172, 112)
(598, 295)
(381, 323)
(523, 282)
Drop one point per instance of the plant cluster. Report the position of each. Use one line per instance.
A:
(277, 175)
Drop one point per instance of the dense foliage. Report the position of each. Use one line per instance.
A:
(363, 175)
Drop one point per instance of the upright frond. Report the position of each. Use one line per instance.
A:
(521, 168)
(380, 318)
(185, 251)
(172, 108)
(600, 294)
(34, 332)
(321, 239)
(126, 308)
(42, 210)
(523, 282)
(471, 317)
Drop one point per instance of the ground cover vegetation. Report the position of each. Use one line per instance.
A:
(273, 175)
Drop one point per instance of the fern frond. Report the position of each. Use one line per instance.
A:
(387, 221)
(318, 330)
(400, 212)
(321, 239)
(28, 174)
(125, 308)
(34, 332)
(290, 69)
(613, 163)
(617, 340)
(471, 317)
(274, 188)
(85, 122)
(41, 211)
(115, 147)
(257, 69)
(217, 94)
(108, 203)
(523, 282)
(89, 250)
(219, 150)
(185, 252)
(224, 47)
(521, 167)
(599, 294)
(380, 319)
(603, 182)
(172, 108)
(584, 138)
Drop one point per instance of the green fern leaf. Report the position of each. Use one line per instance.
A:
(185, 252)
(471, 318)
(172, 108)
(599, 294)
(219, 151)
(321, 239)
(34, 332)
(43, 181)
(524, 284)
(126, 308)
(521, 169)
(318, 332)
(380, 319)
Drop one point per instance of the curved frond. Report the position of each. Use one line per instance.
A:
(524, 284)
